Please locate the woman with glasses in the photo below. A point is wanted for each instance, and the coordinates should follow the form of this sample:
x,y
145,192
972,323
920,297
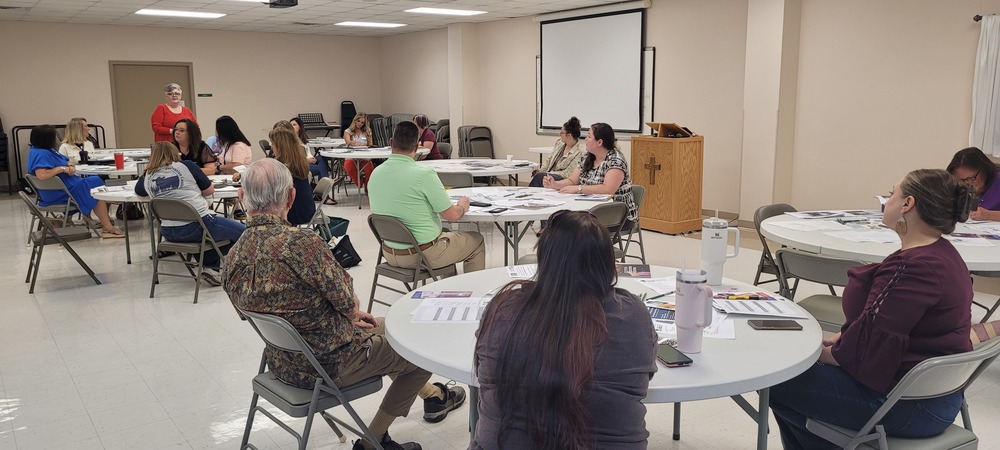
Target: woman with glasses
x,y
972,167
359,134
564,360
75,140
566,154
187,138
167,114
603,171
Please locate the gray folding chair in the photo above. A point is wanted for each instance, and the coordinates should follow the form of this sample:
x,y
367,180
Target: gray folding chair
x,y
612,215
320,222
47,234
827,309
767,263
172,209
634,234
297,402
266,147
456,180
445,149
934,377
67,210
989,309
388,228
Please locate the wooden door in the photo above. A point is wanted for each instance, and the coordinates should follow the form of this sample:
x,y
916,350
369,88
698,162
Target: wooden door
x,y
136,90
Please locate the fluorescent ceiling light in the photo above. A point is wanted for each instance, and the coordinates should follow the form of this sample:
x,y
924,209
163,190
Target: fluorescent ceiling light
x,y
371,24
189,14
446,12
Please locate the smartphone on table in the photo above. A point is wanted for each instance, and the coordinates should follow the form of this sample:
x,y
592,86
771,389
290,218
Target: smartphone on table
x,y
671,357
774,325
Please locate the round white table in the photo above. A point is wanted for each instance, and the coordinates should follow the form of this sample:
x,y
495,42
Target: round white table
x,y
509,222
978,258
99,169
754,361
108,154
126,194
542,151
326,143
367,153
482,167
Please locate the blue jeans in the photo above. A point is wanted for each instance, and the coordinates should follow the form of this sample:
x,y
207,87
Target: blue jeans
x,y
221,229
320,169
830,394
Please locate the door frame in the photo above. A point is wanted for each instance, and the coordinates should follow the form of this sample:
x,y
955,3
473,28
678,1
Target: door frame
x,y
114,101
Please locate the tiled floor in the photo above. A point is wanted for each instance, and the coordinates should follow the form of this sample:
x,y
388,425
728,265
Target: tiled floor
x,y
105,367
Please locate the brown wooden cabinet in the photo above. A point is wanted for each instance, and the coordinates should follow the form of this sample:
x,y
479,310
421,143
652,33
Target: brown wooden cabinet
x,y
671,171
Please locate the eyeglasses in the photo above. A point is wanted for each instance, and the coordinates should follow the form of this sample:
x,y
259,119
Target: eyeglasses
x,y
174,94
969,179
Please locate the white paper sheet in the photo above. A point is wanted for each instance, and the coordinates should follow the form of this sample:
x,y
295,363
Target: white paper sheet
x,y
522,270
453,310
811,225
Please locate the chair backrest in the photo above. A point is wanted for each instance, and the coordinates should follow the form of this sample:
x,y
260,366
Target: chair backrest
x,y
266,146
612,215
766,212
938,376
807,266
323,188
48,184
278,333
388,228
638,194
445,149
457,179
443,133
173,209
33,209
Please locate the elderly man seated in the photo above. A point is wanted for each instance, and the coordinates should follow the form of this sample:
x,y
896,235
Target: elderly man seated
x,y
279,269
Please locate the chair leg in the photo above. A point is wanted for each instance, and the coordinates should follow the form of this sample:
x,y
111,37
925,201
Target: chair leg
x,y
677,421
197,276
642,246
82,264
34,275
31,263
989,311
156,270
332,424
371,297
250,415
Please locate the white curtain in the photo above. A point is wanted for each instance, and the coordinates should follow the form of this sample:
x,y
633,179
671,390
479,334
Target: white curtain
x,y
985,130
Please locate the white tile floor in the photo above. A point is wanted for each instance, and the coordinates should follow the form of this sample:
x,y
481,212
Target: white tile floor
x,y
106,367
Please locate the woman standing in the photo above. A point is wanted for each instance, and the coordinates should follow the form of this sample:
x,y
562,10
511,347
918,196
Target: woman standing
x,y
564,360
603,171
912,306
45,162
75,140
288,150
168,177
566,154
972,167
187,138
359,134
427,139
167,114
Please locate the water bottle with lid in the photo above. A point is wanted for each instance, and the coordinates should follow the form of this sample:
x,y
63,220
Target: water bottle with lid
x,y
714,240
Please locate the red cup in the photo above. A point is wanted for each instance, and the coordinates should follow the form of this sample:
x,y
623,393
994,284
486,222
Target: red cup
x,y
119,161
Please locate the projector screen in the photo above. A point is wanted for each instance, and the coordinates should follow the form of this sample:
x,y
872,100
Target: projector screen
x,y
591,68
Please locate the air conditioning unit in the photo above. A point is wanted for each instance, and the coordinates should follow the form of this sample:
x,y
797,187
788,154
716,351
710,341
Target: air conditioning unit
x,y
283,3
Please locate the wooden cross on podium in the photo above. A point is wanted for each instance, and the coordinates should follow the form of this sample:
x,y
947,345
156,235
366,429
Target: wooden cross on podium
x,y
653,166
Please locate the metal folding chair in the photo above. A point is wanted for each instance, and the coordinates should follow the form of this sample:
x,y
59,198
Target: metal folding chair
x,y
47,234
767,263
172,209
388,228
800,265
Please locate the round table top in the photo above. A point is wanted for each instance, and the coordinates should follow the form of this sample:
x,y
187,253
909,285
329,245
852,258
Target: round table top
x,y
542,150
108,154
99,169
525,203
756,359
126,193
326,142
364,153
982,257
481,167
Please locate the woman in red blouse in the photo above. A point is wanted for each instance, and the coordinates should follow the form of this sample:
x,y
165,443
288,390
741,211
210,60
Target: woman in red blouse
x,y
169,113
915,304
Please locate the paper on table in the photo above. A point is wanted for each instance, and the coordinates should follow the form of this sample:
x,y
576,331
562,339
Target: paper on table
x,y
721,327
665,286
811,225
776,308
815,214
878,236
984,227
522,270
969,242
454,310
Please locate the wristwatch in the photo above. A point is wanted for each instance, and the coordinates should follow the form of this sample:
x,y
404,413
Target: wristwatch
x,y
579,189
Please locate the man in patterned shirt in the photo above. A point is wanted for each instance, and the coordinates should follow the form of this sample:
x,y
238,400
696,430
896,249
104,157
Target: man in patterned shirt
x,y
279,269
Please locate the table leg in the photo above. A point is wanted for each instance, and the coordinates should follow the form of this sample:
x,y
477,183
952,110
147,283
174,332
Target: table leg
x,y
473,409
762,408
152,235
128,246
677,421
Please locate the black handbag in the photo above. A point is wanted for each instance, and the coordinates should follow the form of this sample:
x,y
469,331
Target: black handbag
x,y
345,254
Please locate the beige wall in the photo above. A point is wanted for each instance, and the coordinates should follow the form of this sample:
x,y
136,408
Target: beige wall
x,y
258,78
884,88
414,75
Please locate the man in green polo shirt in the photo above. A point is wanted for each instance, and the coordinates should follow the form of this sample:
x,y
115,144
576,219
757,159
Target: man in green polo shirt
x,y
401,188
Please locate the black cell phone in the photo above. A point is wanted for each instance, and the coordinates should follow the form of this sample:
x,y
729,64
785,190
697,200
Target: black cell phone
x,y
480,204
774,325
497,210
671,357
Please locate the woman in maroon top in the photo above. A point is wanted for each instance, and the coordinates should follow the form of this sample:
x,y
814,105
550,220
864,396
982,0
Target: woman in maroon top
x,y
914,305
427,138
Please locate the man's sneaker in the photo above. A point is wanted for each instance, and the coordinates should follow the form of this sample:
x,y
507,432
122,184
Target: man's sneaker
x,y
389,444
435,409
210,276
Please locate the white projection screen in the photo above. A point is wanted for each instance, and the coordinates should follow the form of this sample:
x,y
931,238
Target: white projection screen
x,y
591,68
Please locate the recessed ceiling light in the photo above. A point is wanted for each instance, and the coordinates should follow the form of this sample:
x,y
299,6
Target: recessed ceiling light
x,y
446,12
371,24
189,14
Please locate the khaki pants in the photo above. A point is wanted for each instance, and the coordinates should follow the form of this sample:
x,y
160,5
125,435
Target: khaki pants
x,y
378,358
450,248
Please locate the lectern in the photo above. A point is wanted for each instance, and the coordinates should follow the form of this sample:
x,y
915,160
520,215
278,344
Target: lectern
x,y
671,170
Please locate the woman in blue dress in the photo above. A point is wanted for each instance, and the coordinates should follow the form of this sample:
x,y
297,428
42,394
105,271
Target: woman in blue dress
x,y
45,162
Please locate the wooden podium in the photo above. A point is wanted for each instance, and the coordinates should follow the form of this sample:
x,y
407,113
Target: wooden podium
x,y
671,171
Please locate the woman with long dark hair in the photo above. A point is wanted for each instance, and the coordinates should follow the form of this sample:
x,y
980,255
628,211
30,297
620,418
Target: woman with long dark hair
x,y
317,163
564,360
603,171
288,150
235,146
973,168
187,139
